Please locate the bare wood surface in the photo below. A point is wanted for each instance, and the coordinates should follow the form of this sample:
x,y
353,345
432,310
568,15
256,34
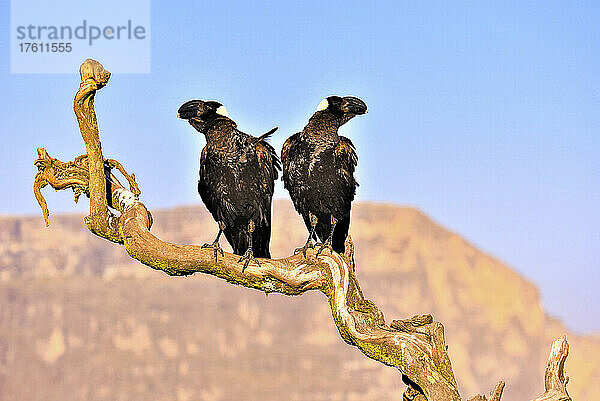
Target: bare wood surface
x,y
415,346
555,381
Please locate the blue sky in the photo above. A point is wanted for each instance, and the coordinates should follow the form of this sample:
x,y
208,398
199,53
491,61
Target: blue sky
x,y
485,115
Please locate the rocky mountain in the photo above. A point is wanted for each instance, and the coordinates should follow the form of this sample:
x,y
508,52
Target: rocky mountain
x,y
79,320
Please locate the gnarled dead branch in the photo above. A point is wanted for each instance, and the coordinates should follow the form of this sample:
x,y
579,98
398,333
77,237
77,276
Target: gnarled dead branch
x,y
555,381
414,346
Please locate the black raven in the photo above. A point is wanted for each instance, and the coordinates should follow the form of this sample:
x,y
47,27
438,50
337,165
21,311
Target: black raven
x,y
318,172
237,178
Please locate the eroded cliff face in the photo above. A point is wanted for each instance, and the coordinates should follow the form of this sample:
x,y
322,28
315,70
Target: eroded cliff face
x,y
80,321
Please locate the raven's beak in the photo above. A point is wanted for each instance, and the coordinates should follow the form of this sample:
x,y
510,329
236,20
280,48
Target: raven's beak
x,y
354,105
190,109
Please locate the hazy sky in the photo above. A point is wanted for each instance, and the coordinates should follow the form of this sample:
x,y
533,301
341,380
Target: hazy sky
x,y
485,115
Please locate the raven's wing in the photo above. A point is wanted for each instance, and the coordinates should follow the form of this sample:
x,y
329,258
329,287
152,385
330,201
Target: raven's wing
x,y
268,161
288,155
267,157
210,189
269,166
347,159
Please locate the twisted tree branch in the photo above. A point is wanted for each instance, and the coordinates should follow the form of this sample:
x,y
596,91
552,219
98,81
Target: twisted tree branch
x,y
414,346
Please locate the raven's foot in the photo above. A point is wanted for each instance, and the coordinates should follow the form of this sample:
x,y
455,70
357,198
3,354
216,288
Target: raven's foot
x,y
215,244
311,232
216,247
248,256
326,245
306,247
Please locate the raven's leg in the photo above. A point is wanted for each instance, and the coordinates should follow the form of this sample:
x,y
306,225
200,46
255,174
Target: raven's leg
x,y
249,256
311,234
215,244
327,244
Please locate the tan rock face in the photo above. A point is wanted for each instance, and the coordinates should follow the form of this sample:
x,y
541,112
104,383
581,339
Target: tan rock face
x,y
52,348
77,313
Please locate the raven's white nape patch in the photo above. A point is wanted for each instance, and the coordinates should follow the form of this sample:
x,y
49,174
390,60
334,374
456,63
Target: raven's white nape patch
x,y
323,105
222,111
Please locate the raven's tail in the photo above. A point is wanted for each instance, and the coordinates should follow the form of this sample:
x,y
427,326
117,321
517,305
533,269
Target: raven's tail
x,y
260,242
339,235
267,135
323,229
238,239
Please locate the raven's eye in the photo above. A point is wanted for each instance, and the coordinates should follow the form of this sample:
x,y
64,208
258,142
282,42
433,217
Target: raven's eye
x,y
222,111
323,105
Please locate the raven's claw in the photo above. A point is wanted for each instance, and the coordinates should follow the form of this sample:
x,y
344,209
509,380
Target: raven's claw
x,y
306,247
248,256
216,247
326,245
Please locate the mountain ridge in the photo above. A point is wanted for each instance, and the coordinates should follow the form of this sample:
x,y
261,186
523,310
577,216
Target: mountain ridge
x,y
407,263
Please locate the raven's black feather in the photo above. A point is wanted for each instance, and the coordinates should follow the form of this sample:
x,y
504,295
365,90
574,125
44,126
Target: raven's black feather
x,y
237,175
318,169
